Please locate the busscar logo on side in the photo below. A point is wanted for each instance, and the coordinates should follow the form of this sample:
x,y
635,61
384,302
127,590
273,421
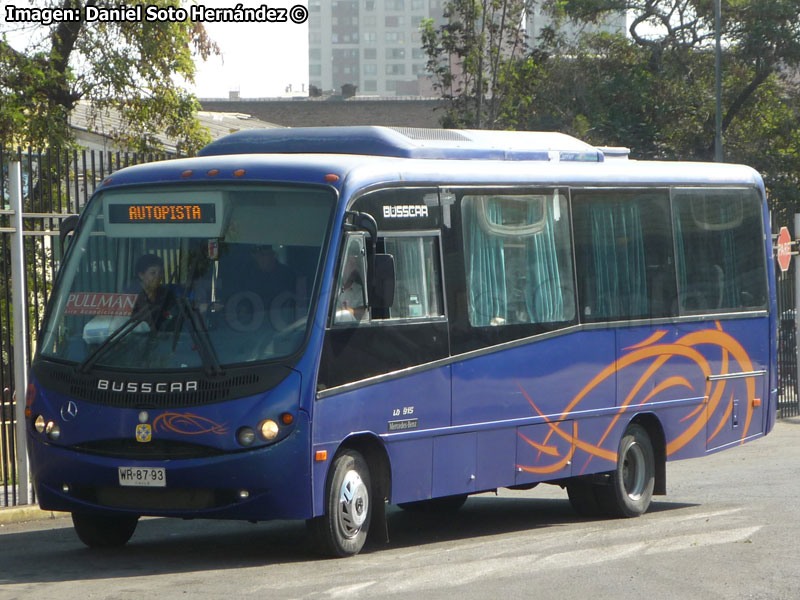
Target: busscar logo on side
x,y
405,211
146,387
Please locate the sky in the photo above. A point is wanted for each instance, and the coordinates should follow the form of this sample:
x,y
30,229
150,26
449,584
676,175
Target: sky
x,y
259,60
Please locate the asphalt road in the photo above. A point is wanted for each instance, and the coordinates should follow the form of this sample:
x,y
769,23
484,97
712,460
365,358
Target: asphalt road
x,y
729,529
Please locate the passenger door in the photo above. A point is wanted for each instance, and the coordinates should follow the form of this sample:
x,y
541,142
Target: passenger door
x,y
377,372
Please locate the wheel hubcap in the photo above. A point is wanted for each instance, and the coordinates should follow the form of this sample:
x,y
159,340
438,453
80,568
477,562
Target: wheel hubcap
x,y
353,504
633,468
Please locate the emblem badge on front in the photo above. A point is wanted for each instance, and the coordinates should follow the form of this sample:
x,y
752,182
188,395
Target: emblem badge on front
x,y
144,433
69,411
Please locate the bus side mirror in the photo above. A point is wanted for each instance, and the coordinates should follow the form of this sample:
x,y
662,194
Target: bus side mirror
x,y
66,227
383,280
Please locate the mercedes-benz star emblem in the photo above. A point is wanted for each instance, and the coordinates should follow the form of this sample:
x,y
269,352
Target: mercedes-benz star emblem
x,y
69,411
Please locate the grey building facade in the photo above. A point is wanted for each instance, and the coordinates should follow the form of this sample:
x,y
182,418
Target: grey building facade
x,y
374,45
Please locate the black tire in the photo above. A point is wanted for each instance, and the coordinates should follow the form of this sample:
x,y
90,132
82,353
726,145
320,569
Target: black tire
x,y
631,486
103,531
436,505
342,530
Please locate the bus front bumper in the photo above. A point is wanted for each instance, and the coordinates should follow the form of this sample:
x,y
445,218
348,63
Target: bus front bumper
x,y
273,482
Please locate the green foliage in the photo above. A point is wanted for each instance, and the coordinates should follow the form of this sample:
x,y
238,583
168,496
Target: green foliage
x,y
653,90
662,102
468,56
128,66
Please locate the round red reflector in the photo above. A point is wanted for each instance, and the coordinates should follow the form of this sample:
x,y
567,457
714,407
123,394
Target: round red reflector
x,y
213,172
187,173
331,177
287,418
239,172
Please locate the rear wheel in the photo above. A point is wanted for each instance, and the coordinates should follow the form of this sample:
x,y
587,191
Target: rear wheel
x,y
632,482
103,531
342,530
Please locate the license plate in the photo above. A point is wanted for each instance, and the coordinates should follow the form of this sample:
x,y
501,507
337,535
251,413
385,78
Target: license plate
x,y
143,476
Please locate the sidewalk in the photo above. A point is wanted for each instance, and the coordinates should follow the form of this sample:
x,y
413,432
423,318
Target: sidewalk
x,y
20,514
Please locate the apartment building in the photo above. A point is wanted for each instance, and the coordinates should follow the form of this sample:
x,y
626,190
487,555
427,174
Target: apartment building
x,y
374,45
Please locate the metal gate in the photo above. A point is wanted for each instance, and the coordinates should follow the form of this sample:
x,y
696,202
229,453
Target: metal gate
x,y
54,184
788,400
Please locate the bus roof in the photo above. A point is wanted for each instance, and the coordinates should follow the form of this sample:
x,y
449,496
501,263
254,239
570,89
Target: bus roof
x,y
408,142
358,157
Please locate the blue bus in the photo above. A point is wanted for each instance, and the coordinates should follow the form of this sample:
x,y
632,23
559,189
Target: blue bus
x,y
313,323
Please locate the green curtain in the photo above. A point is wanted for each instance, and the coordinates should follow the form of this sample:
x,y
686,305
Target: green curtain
x,y
730,290
618,260
486,271
410,273
544,297
712,246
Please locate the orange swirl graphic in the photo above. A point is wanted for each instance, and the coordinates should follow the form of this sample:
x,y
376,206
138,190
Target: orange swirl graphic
x,y
188,424
696,421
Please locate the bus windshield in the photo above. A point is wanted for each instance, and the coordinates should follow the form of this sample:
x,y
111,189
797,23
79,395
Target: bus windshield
x,y
166,278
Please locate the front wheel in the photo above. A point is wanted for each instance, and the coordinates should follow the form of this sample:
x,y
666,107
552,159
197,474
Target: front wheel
x,y
632,482
102,531
342,530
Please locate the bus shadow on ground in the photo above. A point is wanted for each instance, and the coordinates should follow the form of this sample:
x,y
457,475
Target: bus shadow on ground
x,y
171,546
485,516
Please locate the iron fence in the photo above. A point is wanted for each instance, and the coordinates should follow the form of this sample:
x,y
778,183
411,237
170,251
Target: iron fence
x,y
55,184
788,399
59,183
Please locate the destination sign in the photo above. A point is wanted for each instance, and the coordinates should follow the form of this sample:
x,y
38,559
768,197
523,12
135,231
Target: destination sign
x,y
162,213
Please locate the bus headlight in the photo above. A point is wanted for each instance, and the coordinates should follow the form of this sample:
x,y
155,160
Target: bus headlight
x,y
53,430
38,424
246,436
268,429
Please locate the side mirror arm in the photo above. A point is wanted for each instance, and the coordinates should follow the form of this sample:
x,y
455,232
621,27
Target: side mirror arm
x,y
377,298
67,226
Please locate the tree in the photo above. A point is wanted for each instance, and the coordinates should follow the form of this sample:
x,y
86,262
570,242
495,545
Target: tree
x,y
762,42
653,90
132,66
468,56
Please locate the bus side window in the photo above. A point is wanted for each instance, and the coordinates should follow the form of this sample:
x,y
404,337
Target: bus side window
x,y
351,299
517,259
624,255
418,278
719,245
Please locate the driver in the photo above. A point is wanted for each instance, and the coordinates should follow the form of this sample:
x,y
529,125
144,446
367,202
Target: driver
x,y
154,295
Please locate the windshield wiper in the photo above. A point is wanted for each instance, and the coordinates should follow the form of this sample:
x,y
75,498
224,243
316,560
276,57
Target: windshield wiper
x,y
198,332
113,339
200,337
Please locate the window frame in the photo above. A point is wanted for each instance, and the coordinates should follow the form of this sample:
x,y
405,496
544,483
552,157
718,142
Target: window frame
x,y
342,258
369,320
666,189
421,233
700,313
479,194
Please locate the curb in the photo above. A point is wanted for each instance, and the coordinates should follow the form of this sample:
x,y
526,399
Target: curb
x,y
21,514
